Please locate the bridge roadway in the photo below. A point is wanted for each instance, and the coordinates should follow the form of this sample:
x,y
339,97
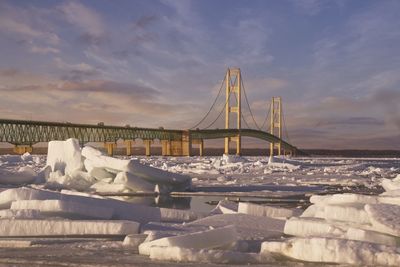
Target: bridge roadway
x,y
24,134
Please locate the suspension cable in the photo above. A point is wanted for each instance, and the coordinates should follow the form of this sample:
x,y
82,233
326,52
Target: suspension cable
x,y
284,124
212,106
226,103
222,110
247,125
247,101
266,119
244,119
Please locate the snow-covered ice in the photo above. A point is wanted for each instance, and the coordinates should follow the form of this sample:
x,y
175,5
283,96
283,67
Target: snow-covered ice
x,y
331,250
214,238
64,156
64,209
268,211
41,227
349,219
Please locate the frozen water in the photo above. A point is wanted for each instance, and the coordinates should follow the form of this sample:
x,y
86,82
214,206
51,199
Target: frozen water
x,y
225,207
364,222
37,227
203,255
213,238
385,218
23,175
121,210
329,250
64,156
65,209
249,227
274,212
133,182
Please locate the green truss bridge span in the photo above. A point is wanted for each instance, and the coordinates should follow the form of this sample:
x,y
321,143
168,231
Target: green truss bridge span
x,y
23,134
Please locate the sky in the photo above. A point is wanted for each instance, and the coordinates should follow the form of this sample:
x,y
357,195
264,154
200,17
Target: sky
x,y
154,63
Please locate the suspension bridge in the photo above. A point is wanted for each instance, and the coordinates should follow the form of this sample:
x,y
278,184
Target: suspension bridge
x,y
24,134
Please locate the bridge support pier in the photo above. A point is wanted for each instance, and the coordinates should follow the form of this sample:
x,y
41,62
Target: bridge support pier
x,y
109,146
129,144
22,149
165,147
237,140
147,144
186,143
199,142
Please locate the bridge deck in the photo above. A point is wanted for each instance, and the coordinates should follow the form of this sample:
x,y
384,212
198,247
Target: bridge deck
x,y
20,132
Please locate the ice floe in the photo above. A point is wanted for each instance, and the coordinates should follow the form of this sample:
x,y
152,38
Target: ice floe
x,y
331,250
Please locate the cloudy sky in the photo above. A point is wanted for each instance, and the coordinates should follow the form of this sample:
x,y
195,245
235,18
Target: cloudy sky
x,y
335,63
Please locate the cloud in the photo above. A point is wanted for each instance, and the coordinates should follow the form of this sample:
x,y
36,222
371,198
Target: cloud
x,y
144,21
14,77
28,24
89,102
87,20
9,72
309,7
351,121
75,72
44,50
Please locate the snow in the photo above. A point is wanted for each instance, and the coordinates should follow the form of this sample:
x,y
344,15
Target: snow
x,y
389,185
78,180
134,240
249,227
330,250
100,173
20,214
385,218
353,226
225,207
133,182
23,175
175,215
353,212
259,210
205,256
213,238
121,210
38,227
64,209
64,156
133,174
344,199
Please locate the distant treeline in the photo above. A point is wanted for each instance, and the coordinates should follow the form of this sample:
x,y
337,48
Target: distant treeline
x,y
353,153
246,152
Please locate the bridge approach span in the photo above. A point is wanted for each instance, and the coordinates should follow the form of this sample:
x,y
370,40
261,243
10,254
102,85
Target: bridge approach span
x,y
23,134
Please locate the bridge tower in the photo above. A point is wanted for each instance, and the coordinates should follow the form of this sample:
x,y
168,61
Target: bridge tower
x,y
276,123
233,86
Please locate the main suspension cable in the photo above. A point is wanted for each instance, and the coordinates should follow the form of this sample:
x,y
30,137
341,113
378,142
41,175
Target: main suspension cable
x,y
284,125
247,101
266,119
212,106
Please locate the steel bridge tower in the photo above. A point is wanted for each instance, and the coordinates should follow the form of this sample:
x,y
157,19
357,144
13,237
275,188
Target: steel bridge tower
x,y
233,81
276,124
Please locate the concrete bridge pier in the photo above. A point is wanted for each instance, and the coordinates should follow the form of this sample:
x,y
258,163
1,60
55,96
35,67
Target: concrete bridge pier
x,y
109,146
22,149
186,143
237,140
165,147
199,142
147,145
129,144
